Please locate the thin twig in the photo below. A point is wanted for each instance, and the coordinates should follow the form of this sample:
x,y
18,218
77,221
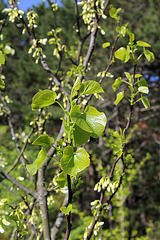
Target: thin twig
x,y
69,224
107,68
43,62
8,112
15,182
21,152
95,219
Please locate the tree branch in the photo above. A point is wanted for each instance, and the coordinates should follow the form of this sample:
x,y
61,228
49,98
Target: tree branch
x,y
21,152
43,62
42,198
12,128
56,227
15,182
69,224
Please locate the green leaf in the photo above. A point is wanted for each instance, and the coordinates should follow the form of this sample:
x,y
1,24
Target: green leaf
x,y
44,140
142,44
72,163
137,75
90,120
149,55
75,89
77,84
128,76
60,143
2,58
62,180
145,102
90,87
113,12
142,83
131,37
66,210
143,89
119,97
116,84
8,50
14,217
32,168
106,44
22,233
80,136
2,84
123,31
43,99
123,54
143,86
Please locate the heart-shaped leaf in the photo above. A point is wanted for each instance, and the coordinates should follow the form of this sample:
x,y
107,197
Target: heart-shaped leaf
x,y
142,83
90,87
43,99
72,163
32,168
90,120
44,140
62,180
80,136
66,210
123,54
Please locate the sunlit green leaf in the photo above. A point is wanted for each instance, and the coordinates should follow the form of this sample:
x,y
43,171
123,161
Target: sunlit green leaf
x,y
44,140
123,54
77,84
149,55
8,50
90,120
106,44
72,163
123,31
138,76
113,12
32,168
116,84
5,222
2,58
145,102
131,37
61,180
43,99
119,97
90,87
2,84
142,44
143,89
66,210
128,76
